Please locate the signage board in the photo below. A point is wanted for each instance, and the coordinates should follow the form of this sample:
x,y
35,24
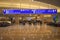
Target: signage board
x,y
30,11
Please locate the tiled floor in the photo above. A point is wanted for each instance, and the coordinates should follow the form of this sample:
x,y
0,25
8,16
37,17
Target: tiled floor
x,y
29,32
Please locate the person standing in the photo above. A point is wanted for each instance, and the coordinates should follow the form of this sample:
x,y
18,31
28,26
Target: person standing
x,y
55,19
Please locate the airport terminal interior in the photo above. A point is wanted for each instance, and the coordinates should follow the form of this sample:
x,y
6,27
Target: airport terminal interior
x,y
29,26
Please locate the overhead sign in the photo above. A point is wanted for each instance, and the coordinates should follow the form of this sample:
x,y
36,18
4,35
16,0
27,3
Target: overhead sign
x,y
30,11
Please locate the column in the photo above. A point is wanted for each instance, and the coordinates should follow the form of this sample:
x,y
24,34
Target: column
x,y
16,20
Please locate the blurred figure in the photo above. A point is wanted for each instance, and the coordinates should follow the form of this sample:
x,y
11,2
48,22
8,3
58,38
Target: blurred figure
x,y
12,20
55,19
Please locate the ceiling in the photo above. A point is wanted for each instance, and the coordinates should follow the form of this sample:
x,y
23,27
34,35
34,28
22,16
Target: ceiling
x,y
53,2
25,3
28,4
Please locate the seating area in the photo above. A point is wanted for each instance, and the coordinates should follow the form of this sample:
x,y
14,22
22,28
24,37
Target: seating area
x,y
4,24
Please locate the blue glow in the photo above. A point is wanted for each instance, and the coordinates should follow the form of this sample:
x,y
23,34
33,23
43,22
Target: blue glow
x,y
30,11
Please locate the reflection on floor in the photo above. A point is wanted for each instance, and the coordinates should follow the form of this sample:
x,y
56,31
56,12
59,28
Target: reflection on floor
x,y
29,32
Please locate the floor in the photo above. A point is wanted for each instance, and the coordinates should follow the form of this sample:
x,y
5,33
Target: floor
x,y
29,32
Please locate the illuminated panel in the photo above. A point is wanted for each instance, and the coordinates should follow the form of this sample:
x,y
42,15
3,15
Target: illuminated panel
x,y
30,11
46,11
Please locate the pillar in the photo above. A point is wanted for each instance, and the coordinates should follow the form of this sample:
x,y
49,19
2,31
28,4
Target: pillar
x,y
16,20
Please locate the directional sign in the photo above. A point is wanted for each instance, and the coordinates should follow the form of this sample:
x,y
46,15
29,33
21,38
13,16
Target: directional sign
x,y
30,11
